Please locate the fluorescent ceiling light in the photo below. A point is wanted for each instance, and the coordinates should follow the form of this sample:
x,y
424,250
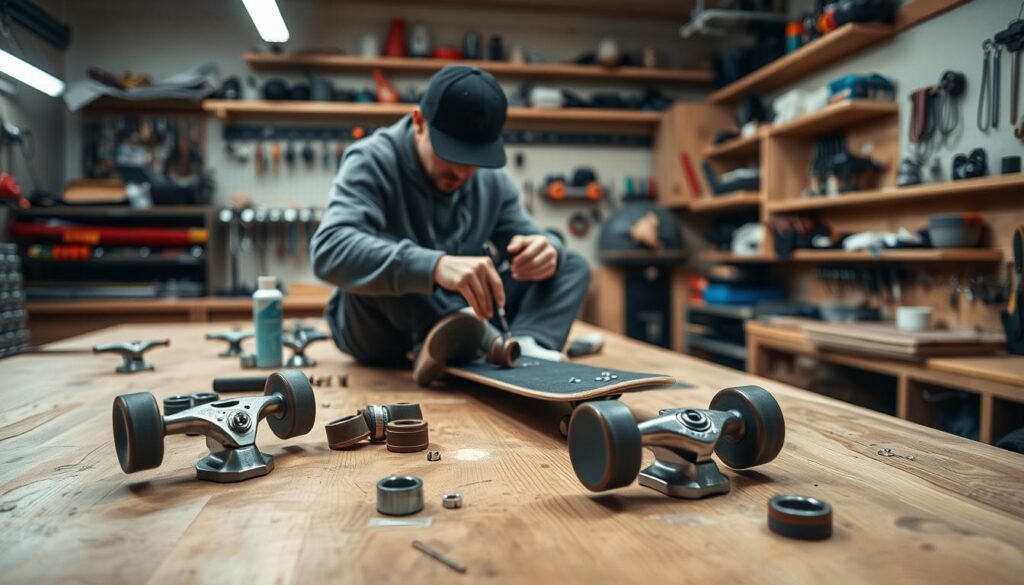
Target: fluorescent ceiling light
x,y
30,74
268,20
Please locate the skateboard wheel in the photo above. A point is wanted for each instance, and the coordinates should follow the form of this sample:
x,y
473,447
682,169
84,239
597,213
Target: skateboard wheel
x,y
764,427
604,445
299,412
138,432
800,517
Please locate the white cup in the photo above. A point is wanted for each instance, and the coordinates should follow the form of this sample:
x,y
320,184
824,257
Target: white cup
x,y
913,318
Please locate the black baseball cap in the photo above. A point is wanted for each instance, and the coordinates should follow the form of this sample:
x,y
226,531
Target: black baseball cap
x,y
465,110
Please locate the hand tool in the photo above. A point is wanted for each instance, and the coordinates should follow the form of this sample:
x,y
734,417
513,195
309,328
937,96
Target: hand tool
x,y
275,157
438,555
1012,38
491,251
985,98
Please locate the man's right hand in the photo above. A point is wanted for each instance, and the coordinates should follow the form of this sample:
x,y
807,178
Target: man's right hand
x,y
475,278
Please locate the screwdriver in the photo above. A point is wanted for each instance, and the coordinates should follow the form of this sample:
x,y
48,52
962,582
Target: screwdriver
x,y
492,252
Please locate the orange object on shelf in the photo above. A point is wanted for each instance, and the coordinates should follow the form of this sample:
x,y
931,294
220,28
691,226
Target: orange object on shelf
x,y
594,191
556,190
386,93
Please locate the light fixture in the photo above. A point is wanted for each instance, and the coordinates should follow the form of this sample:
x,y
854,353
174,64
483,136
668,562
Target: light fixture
x,y
29,74
268,20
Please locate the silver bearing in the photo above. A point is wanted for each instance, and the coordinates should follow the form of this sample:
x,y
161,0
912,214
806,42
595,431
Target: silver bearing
x,y
399,495
451,501
377,417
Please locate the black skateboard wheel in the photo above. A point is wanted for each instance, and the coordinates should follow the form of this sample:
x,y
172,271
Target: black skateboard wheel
x,y
604,445
299,412
138,432
764,427
800,517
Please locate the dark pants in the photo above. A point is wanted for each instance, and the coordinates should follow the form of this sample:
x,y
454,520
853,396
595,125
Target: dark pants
x,y
382,330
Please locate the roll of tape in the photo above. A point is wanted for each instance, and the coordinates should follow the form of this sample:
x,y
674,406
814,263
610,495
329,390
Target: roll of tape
x,y
399,495
407,436
346,431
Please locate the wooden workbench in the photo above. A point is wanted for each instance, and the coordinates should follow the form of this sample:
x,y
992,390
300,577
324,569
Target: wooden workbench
x,y
953,514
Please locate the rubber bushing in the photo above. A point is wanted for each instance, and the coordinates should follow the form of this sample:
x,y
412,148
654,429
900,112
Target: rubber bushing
x,y
347,431
407,436
399,495
178,403
800,517
404,410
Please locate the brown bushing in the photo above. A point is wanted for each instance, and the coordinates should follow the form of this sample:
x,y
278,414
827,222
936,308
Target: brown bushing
x,y
504,351
407,436
347,431
404,410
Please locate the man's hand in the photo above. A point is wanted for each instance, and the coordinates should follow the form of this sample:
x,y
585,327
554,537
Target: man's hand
x,y
535,257
475,278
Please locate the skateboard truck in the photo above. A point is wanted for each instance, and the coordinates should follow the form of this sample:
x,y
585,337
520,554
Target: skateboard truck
x,y
132,354
234,339
298,343
287,403
744,426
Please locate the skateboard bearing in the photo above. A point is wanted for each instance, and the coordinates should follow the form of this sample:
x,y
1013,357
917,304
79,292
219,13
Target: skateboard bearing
x,y
399,495
407,436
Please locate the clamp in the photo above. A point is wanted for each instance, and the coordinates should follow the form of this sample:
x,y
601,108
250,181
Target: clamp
x,y
132,353
744,426
234,338
287,403
298,343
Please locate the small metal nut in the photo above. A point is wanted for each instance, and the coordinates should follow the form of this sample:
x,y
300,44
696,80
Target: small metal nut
x,y
451,501
433,455
240,421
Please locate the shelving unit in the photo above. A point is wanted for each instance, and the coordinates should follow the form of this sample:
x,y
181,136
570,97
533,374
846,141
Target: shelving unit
x,y
911,255
233,110
974,193
720,257
738,201
745,146
411,65
835,117
811,58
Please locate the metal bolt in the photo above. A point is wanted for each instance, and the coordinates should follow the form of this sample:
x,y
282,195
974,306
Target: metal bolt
x,y
451,501
240,421
886,452
911,458
433,455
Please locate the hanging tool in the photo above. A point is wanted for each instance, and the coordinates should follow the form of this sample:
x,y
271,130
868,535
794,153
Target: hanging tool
x,y
325,155
985,93
290,218
997,51
1012,39
259,161
308,156
275,157
289,155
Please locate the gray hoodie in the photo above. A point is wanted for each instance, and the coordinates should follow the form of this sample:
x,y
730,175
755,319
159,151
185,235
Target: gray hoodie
x,y
386,225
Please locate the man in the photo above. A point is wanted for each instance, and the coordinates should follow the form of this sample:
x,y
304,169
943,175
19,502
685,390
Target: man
x,y
410,214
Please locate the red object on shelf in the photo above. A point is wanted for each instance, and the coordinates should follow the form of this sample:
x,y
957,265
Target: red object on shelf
x,y
95,236
386,93
394,44
10,191
447,53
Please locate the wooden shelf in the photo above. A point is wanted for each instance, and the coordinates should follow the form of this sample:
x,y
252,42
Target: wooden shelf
x,y
741,200
650,256
813,57
909,255
229,110
719,257
114,105
412,65
747,146
835,117
967,190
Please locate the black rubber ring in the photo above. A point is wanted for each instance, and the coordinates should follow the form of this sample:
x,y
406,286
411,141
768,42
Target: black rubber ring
x,y
800,517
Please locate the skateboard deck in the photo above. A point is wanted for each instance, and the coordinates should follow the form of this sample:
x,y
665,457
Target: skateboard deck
x,y
553,381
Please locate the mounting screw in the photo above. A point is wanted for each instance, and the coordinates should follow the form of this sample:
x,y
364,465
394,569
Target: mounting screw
x,y
240,421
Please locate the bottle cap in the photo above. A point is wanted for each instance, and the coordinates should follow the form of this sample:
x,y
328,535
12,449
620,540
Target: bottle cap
x,y
268,282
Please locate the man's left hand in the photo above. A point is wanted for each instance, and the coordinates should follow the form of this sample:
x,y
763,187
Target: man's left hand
x,y
534,258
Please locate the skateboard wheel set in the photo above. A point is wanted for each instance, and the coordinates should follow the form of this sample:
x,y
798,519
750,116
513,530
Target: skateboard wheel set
x,y
230,426
744,426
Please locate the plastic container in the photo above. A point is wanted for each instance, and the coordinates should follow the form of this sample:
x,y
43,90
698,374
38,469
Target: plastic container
x,y
268,321
957,230
913,318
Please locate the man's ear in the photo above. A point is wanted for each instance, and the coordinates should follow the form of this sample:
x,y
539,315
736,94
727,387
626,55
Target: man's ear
x,y
419,123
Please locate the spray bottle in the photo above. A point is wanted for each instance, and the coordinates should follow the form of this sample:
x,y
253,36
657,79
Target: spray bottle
x,y
268,320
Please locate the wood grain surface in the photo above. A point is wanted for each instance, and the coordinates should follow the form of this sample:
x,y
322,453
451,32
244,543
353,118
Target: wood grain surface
x,y
953,514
